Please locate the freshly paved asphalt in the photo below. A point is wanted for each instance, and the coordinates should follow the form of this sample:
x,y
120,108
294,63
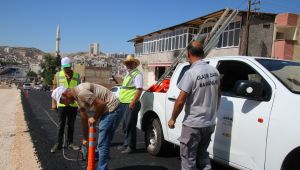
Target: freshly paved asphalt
x,y
42,123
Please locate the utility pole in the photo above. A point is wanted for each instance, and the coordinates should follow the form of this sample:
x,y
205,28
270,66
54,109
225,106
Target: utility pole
x,y
245,43
247,28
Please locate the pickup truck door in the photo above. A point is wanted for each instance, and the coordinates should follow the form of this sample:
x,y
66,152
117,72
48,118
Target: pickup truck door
x,y
242,124
172,95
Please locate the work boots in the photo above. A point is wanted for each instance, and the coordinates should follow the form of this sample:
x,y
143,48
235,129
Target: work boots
x,y
73,147
56,147
128,150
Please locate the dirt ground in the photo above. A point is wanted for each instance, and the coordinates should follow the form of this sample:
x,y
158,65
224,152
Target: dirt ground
x,y
17,150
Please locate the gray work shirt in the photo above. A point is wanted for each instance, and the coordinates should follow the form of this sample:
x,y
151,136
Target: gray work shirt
x,y
201,82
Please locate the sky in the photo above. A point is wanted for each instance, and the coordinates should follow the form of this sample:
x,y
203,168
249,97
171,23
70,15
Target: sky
x,y
111,23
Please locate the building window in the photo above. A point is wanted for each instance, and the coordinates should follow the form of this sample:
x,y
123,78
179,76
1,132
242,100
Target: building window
x,y
169,41
231,36
178,39
138,49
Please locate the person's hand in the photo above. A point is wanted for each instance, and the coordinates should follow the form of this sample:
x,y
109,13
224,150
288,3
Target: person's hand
x,y
171,124
53,104
54,107
91,121
132,105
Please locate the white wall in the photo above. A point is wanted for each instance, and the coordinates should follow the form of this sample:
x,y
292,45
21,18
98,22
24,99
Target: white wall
x,y
223,52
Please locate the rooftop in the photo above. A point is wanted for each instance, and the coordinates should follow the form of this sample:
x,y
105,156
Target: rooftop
x,y
194,23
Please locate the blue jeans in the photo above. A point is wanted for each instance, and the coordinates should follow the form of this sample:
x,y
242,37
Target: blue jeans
x,y
107,126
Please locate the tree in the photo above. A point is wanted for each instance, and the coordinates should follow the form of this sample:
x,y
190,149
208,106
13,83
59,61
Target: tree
x,y
50,66
31,74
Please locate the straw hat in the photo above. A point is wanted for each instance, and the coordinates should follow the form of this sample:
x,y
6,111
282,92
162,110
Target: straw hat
x,y
130,58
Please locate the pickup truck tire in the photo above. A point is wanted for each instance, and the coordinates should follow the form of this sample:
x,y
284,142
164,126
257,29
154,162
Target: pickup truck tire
x,y
292,160
154,138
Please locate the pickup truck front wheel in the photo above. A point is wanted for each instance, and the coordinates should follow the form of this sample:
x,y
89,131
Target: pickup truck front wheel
x,y
154,138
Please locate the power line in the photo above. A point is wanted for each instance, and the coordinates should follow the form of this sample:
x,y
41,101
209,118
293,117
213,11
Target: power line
x,y
256,5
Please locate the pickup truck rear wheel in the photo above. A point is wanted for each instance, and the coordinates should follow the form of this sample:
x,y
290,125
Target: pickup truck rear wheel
x,y
154,138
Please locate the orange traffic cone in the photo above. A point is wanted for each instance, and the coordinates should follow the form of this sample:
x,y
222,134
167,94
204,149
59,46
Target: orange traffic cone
x,y
26,93
92,148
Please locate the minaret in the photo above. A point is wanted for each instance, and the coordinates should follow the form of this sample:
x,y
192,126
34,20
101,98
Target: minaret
x,y
57,41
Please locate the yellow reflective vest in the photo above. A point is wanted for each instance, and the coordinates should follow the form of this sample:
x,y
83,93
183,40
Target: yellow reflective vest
x,y
128,91
62,81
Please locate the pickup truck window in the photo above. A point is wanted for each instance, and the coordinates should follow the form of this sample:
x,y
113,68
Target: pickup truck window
x,y
184,69
233,71
287,72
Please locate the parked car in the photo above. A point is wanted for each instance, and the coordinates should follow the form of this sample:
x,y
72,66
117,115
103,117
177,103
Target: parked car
x,y
258,120
26,86
116,90
38,87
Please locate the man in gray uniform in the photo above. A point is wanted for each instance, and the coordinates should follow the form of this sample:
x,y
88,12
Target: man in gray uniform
x,y
200,92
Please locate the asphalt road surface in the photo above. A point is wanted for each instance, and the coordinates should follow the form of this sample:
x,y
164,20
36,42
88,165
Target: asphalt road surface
x,y
42,123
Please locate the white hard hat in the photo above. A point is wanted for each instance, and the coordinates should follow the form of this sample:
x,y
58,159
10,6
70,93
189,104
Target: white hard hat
x,y
65,62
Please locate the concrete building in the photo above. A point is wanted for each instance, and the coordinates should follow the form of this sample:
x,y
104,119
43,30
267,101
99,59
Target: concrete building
x,y
95,75
94,49
14,73
23,52
35,67
7,50
158,49
287,37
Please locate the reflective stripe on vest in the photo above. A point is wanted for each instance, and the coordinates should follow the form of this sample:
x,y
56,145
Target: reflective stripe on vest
x,y
127,91
62,81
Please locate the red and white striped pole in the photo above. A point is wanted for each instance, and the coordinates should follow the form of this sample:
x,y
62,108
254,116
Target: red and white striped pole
x,y
92,148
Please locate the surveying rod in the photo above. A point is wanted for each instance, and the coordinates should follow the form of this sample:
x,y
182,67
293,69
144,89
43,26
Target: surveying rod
x,y
92,147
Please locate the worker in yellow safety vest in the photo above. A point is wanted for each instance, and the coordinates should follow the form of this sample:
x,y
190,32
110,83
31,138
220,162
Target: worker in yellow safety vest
x,y
69,79
129,96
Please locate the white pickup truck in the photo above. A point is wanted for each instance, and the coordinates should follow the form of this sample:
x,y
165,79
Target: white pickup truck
x,y
258,123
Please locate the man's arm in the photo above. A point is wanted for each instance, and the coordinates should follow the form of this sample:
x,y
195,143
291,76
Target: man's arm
x,y
219,98
54,103
82,79
136,98
100,109
138,83
84,125
179,103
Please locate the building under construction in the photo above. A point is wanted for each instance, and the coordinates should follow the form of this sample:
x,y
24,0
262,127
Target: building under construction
x,y
97,75
157,50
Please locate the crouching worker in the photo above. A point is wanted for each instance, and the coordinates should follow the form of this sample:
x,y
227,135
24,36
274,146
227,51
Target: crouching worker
x,y
107,108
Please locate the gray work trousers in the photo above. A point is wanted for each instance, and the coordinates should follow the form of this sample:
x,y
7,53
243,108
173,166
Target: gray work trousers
x,y
193,147
129,124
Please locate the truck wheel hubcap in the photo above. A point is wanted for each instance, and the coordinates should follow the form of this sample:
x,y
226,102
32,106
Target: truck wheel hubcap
x,y
153,137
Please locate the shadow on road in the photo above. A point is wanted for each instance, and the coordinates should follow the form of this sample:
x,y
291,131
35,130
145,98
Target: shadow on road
x,y
143,167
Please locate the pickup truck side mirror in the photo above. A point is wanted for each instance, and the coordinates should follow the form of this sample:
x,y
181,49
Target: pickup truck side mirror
x,y
249,89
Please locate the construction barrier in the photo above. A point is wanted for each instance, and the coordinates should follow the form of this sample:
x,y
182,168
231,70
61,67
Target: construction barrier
x,y
92,148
